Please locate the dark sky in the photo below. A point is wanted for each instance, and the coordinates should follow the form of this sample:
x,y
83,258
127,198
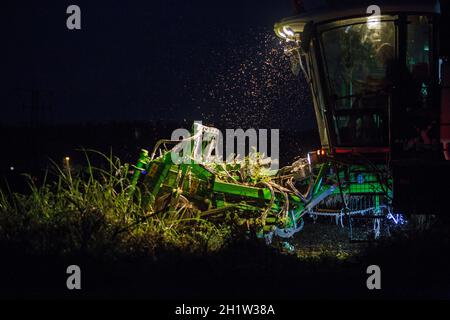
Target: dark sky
x,y
216,61
149,60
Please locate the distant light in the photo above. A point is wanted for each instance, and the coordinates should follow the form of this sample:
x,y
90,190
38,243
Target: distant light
x,y
67,159
11,168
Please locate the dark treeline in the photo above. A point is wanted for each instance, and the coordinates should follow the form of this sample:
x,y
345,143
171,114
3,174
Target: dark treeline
x,y
29,150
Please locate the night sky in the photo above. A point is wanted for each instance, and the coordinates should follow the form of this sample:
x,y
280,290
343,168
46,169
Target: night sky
x,y
216,61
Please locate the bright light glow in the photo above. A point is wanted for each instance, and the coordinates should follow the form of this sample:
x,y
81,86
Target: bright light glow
x,y
67,159
288,31
360,178
374,22
396,218
11,168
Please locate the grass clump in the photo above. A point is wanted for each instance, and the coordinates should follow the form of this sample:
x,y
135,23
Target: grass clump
x,y
89,211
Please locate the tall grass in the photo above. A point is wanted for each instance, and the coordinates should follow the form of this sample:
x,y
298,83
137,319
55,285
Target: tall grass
x,y
90,211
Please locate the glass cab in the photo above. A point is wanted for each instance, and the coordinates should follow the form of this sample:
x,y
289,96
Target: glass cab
x,y
373,80
367,79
